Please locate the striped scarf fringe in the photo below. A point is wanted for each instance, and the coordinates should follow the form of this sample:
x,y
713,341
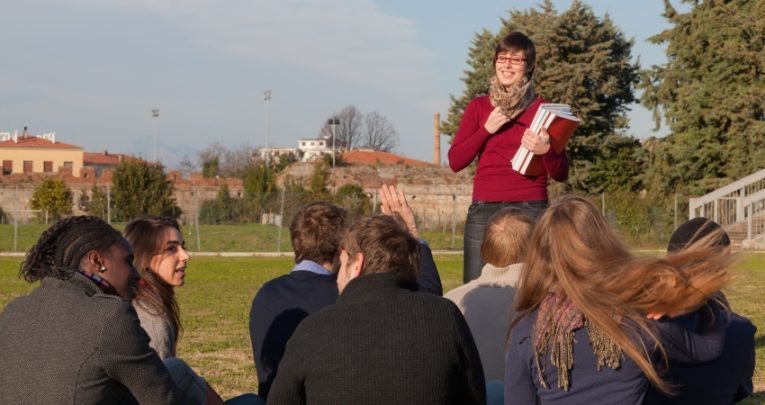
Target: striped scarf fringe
x,y
557,320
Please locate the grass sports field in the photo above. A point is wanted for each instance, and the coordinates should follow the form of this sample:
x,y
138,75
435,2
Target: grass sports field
x,y
215,305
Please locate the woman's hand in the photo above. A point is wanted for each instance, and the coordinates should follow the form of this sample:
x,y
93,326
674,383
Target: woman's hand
x,y
537,144
495,121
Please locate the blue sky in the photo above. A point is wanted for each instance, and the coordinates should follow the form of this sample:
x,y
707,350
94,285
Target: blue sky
x,y
92,70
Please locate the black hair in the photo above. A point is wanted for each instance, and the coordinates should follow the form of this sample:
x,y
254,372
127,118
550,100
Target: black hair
x,y
694,230
61,247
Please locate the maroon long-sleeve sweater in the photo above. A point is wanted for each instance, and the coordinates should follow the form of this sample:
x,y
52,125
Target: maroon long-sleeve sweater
x,y
494,179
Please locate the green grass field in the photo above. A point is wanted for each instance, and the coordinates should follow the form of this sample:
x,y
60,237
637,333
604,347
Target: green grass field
x,y
215,305
213,238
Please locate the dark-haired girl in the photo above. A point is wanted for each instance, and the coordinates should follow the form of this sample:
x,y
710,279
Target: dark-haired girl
x,y
76,338
492,129
161,259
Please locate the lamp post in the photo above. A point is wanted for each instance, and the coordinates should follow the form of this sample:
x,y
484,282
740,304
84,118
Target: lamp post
x,y
267,97
155,114
333,122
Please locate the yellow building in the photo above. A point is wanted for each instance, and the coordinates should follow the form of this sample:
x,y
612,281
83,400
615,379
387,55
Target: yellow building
x,y
38,154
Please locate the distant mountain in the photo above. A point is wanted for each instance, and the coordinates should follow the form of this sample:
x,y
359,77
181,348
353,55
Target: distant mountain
x,y
170,155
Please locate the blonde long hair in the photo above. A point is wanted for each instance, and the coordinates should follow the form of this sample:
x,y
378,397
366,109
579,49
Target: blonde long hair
x,y
573,248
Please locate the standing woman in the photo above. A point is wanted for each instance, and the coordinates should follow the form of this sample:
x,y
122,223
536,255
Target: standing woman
x,y
492,129
76,339
161,259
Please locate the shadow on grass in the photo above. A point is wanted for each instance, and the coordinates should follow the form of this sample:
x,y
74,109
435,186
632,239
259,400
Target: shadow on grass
x,y
757,398
759,341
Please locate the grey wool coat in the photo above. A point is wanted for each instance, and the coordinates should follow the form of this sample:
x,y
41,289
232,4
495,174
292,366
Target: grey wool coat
x,y
68,343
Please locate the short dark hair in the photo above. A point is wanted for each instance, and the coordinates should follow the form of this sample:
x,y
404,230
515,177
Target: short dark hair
x,y
61,248
506,237
695,230
514,42
387,245
316,231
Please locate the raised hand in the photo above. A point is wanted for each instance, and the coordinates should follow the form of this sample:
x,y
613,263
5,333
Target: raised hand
x,y
495,121
393,201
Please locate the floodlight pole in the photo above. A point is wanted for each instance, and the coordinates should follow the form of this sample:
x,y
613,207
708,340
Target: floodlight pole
x,y
267,98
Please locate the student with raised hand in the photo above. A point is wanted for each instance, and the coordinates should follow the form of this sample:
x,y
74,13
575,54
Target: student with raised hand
x,y
393,202
581,334
282,303
383,342
76,338
727,379
487,302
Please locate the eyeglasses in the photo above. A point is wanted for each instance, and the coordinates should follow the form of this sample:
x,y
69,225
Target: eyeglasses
x,y
514,60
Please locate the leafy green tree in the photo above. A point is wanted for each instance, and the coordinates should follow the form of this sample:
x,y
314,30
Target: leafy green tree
x,y
211,168
317,185
582,60
711,94
95,203
353,198
141,188
258,184
54,197
223,209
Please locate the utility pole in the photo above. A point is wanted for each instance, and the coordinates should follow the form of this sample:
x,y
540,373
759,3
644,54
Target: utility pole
x,y
267,98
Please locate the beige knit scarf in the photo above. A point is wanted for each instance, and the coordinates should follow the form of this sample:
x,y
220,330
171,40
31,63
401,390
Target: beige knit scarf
x,y
553,331
513,99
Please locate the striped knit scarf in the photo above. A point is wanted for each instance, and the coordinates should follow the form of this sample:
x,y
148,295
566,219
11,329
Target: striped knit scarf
x,y
554,329
513,99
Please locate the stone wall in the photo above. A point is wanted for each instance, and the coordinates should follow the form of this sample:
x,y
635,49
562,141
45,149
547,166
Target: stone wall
x,y
438,196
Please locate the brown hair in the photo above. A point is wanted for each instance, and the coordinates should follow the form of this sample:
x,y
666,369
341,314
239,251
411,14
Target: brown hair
x,y
387,246
514,42
506,237
316,231
573,248
146,235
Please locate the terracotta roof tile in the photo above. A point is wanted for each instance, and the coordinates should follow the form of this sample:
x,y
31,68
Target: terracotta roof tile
x,y
34,142
372,157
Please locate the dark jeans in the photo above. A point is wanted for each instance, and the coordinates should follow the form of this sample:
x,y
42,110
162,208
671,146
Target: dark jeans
x,y
478,216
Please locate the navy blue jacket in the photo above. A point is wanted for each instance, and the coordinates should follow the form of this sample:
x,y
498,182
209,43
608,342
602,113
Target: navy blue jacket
x,y
625,385
283,302
723,381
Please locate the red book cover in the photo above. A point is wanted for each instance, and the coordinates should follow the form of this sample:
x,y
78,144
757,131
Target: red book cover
x,y
561,128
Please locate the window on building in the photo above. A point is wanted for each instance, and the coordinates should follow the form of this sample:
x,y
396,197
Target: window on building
x,y
48,166
27,166
312,143
7,167
68,165
302,143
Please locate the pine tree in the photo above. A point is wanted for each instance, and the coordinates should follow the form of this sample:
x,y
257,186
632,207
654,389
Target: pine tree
x,y
710,93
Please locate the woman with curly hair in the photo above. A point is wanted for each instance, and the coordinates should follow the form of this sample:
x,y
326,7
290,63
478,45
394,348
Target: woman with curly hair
x,y
76,338
582,333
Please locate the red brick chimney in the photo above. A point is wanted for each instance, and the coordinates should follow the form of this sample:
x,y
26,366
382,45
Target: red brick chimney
x,y
436,139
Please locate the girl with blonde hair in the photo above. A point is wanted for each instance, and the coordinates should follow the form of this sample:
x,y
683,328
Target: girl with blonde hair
x,y
582,332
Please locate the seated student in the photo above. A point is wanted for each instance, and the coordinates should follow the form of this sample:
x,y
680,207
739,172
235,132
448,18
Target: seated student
x,y
161,259
382,342
487,302
76,338
282,303
581,335
727,379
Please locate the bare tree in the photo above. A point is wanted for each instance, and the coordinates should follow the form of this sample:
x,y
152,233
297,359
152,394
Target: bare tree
x,y
348,130
379,133
217,160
